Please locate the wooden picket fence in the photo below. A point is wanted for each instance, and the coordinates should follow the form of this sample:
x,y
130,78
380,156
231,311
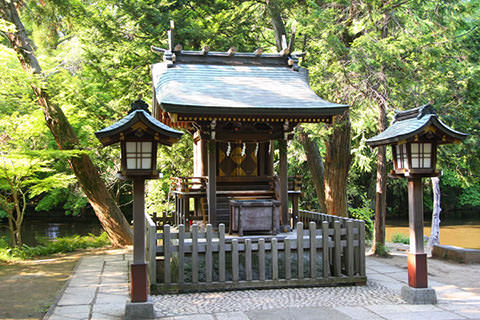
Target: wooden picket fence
x,y
181,261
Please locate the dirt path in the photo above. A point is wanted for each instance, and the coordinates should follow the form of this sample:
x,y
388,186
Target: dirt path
x,y
28,288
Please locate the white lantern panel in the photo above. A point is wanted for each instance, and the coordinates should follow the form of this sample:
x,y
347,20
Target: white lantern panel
x,y
146,163
139,155
427,148
402,161
427,163
146,147
414,148
131,147
131,163
415,163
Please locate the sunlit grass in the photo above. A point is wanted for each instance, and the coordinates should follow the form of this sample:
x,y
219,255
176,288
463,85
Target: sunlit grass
x,y
48,247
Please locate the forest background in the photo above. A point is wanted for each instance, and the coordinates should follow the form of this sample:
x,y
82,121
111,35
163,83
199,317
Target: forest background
x,y
96,60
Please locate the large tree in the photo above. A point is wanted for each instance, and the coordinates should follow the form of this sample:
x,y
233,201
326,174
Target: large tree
x,y
330,180
105,207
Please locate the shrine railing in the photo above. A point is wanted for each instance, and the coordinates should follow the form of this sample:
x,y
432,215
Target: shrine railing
x,y
327,253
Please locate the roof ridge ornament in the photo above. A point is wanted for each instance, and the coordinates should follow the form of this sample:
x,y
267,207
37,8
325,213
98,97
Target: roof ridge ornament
x,y
139,104
426,109
418,113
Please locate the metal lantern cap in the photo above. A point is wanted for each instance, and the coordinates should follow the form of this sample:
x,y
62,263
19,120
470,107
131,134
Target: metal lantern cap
x,y
138,134
414,135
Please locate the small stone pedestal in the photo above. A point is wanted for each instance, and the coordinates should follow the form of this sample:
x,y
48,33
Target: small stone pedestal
x,y
419,295
139,310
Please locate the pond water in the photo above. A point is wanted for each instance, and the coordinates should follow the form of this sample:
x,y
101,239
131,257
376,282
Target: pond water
x,y
457,232
34,230
461,233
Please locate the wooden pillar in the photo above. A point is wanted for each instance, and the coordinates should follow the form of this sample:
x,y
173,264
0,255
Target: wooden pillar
x,y
269,160
261,162
138,269
203,157
212,182
282,146
417,259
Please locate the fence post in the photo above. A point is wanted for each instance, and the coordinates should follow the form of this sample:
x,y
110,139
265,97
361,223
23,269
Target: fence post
x,y
274,259
361,248
181,253
288,266
313,249
337,257
356,249
349,251
221,252
151,249
235,260
261,259
195,253
248,259
299,250
208,255
166,253
325,258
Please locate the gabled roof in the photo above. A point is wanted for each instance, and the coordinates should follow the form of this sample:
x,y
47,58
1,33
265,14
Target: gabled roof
x,y
242,84
407,124
111,134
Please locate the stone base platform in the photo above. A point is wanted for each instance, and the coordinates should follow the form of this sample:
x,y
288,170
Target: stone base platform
x,y
419,295
139,310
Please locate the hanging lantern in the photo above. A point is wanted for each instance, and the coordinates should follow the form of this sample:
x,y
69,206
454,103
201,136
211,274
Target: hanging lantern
x,y
414,136
139,134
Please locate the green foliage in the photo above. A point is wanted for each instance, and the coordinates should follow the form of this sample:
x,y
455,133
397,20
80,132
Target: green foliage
x,y
400,238
60,245
366,214
381,250
97,57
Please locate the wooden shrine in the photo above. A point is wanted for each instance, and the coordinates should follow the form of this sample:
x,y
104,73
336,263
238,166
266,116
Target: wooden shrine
x,y
240,108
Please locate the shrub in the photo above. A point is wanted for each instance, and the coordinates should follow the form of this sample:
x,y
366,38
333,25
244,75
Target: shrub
x,y
48,247
400,238
365,214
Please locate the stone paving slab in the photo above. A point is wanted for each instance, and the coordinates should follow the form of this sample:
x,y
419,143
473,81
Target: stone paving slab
x,y
297,313
358,312
99,288
86,296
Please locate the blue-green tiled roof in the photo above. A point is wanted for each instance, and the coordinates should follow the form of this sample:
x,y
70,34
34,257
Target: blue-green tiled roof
x,y
412,122
133,117
237,89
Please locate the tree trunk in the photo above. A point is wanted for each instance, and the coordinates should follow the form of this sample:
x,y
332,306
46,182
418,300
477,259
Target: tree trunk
x,y
435,232
338,158
107,211
315,164
277,23
337,164
378,246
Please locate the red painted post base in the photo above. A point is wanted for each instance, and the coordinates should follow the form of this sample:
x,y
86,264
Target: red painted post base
x,y
138,282
417,270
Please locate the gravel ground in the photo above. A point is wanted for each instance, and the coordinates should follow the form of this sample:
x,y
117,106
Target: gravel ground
x,y
246,300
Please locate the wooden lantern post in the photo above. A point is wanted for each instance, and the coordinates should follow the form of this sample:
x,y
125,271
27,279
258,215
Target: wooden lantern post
x,y
414,136
139,134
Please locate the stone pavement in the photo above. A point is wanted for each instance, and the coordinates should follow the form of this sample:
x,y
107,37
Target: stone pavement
x,y
98,289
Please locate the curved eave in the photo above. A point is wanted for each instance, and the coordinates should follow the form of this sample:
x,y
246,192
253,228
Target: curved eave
x,y
331,110
111,134
392,137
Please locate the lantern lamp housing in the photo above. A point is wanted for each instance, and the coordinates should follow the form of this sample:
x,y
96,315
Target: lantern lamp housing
x,y
414,158
414,136
139,134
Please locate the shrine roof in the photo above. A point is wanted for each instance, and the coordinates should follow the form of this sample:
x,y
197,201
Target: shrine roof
x,y
407,124
215,83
